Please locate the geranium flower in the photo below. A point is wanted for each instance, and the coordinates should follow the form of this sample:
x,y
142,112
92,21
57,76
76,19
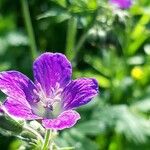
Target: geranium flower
x,y
122,4
52,97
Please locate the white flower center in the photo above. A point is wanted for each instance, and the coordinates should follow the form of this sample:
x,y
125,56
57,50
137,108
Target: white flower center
x,y
48,106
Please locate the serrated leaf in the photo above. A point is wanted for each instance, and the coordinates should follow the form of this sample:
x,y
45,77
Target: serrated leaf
x,y
77,140
92,127
125,122
142,105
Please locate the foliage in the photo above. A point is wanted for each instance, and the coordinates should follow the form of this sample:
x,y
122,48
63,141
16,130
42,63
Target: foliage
x,y
104,42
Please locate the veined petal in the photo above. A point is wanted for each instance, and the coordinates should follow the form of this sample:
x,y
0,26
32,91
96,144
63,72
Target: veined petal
x,y
51,70
66,119
16,85
19,109
79,92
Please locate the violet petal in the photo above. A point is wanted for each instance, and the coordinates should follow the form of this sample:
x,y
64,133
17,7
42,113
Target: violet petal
x,y
16,85
123,4
19,109
50,69
66,119
79,92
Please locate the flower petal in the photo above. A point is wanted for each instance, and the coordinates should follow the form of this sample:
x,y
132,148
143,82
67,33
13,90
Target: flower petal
x,y
67,119
52,68
79,92
16,85
19,109
122,4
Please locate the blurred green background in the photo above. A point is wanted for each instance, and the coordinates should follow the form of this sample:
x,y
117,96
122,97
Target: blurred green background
x,y
103,42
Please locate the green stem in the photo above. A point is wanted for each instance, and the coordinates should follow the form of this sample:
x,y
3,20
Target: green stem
x,y
47,140
27,18
71,37
81,41
84,35
34,132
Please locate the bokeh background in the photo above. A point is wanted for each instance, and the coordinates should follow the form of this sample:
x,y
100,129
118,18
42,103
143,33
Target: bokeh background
x,y
102,41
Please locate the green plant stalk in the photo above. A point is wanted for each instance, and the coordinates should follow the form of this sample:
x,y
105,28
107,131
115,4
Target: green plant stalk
x,y
84,35
34,132
89,26
81,40
71,37
47,139
27,18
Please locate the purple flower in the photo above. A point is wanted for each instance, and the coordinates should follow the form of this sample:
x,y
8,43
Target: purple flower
x,y
52,97
122,4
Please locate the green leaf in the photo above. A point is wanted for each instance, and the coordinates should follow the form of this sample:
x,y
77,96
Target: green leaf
x,y
124,121
142,105
103,81
16,39
137,36
4,66
76,139
62,3
10,124
59,14
92,127
136,60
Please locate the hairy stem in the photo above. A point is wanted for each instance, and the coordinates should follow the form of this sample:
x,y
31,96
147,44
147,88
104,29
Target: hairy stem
x,y
34,132
47,140
29,28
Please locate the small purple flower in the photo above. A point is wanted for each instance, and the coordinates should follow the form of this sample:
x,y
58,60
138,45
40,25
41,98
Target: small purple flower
x,y
52,98
122,4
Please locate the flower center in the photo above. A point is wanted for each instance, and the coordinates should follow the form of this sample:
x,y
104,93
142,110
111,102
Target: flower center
x,y
48,106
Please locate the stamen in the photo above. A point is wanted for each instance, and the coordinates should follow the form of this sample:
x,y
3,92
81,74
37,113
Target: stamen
x,y
39,86
35,92
48,101
57,86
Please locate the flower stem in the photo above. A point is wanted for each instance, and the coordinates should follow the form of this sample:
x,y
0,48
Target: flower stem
x,y
81,40
27,18
83,37
71,37
34,132
47,139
